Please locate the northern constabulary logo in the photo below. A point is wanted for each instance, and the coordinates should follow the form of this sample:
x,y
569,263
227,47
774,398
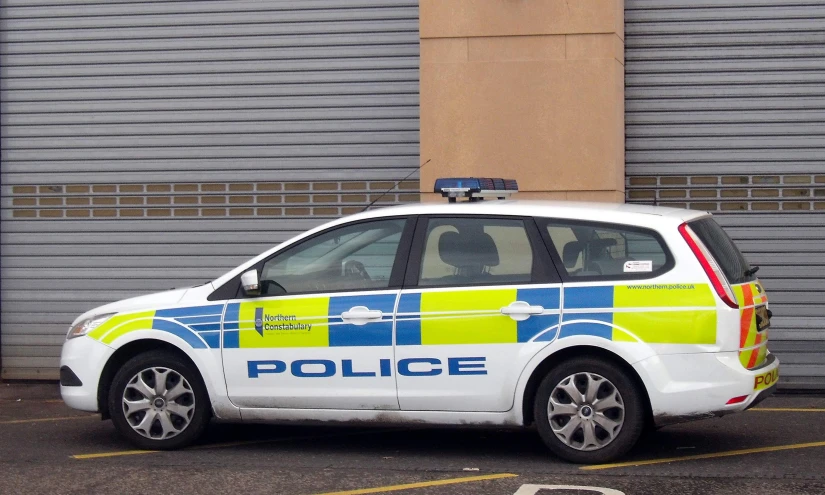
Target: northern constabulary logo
x,y
259,321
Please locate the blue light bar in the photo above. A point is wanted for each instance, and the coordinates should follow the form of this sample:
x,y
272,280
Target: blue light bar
x,y
475,188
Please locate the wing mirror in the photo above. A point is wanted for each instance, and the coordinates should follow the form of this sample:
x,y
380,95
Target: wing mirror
x,y
250,283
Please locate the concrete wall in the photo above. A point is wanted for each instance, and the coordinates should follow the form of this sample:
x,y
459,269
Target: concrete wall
x,y
525,89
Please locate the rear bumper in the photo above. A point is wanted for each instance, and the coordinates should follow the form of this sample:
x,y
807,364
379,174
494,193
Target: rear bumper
x,y
685,387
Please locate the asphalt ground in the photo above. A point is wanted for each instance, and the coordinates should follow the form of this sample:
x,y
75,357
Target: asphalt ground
x,y
45,447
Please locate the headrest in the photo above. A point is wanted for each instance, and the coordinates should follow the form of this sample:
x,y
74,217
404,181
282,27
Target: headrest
x,y
571,252
468,250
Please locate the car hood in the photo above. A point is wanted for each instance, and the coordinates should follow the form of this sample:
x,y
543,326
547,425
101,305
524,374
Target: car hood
x,y
149,301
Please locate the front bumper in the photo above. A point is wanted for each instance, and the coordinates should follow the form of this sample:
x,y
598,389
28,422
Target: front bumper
x,y
85,358
684,387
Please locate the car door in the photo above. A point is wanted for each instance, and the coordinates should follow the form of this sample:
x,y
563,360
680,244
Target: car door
x,y
480,298
321,333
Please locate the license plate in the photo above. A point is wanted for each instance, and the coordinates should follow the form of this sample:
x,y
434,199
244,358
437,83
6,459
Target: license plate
x,y
765,380
762,320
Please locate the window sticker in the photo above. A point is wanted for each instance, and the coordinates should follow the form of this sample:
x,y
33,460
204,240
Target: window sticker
x,y
638,266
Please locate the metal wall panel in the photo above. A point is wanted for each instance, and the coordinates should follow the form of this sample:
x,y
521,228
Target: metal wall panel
x,y
725,111
151,145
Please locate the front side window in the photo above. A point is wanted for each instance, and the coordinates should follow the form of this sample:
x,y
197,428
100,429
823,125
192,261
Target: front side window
x,y
605,251
473,251
353,257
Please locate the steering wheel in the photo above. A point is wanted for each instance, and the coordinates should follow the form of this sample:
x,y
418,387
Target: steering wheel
x,y
356,268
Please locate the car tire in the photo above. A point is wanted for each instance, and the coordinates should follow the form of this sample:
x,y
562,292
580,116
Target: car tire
x,y
165,417
603,422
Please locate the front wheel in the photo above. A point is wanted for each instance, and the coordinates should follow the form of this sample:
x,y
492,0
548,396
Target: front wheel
x,y
158,401
589,411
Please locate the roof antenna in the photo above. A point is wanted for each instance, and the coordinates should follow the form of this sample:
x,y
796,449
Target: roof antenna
x,y
394,185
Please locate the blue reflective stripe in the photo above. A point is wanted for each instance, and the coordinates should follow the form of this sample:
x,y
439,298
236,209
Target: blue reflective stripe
x,y
213,339
232,312
534,325
573,326
206,327
194,320
588,297
547,297
231,339
181,331
214,309
408,328
378,333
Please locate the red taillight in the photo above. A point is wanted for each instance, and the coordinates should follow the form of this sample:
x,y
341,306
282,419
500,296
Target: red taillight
x,y
714,273
737,400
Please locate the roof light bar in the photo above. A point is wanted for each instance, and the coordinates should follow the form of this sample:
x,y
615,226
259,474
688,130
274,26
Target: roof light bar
x,y
475,188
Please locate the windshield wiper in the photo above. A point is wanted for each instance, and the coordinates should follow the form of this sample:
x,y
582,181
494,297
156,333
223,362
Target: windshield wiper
x,y
751,271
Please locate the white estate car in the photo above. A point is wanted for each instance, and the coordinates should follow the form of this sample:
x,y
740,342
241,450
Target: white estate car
x,y
591,321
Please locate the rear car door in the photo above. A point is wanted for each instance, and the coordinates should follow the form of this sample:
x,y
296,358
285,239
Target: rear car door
x,y
480,294
321,335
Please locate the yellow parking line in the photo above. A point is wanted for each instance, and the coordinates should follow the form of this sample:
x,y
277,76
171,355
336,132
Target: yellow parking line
x,y
113,454
422,484
786,409
43,420
232,444
729,453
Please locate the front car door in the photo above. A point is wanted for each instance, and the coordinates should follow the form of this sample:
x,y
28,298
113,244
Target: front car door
x,y
481,297
321,334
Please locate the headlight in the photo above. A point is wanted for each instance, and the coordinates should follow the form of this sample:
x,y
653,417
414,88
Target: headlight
x,y
87,325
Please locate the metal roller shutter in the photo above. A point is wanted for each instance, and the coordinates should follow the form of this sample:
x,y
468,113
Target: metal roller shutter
x,y
725,111
149,145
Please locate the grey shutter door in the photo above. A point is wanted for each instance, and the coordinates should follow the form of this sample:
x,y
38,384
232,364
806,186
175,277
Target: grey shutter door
x,y
151,145
725,111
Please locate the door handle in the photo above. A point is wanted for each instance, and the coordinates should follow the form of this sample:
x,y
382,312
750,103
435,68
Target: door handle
x,y
520,310
362,313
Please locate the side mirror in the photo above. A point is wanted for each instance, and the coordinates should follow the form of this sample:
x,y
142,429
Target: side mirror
x,y
250,283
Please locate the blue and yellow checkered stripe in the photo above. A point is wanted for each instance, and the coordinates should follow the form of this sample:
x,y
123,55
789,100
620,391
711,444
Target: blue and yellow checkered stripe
x,y
472,316
307,322
654,314
650,313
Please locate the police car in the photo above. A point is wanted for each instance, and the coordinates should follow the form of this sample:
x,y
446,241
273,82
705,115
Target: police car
x,y
591,321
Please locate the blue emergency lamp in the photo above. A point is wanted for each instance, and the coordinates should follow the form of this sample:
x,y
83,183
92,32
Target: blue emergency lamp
x,y
475,188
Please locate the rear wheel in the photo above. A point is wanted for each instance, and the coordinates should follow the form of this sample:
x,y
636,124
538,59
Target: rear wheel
x,y
158,401
589,411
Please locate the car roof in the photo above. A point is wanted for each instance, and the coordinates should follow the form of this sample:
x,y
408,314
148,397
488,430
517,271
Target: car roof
x,y
578,210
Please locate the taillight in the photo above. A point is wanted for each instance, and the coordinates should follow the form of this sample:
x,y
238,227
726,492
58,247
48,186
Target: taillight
x,y
714,273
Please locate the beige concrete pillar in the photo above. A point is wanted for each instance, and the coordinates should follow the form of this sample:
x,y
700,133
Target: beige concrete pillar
x,y
525,89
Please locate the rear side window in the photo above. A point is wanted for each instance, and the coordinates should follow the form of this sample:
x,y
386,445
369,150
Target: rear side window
x,y
598,251
476,251
724,251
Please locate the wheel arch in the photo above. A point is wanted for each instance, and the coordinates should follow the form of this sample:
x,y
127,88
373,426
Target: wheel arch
x,y
124,354
565,354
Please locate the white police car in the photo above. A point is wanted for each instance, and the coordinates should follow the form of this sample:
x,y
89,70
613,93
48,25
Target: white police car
x,y
589,320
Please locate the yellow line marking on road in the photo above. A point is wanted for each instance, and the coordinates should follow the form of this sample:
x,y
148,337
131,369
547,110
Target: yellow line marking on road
x,y
113,454
715,455
422,484
787,409
43,420
233,444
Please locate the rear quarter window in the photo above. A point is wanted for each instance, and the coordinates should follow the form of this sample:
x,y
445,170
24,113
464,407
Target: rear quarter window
x,y
724,251
593,251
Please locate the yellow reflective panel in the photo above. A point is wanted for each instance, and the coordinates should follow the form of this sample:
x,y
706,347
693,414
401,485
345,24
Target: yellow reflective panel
x,y
663,296
299,322
480,323
119,325
667,327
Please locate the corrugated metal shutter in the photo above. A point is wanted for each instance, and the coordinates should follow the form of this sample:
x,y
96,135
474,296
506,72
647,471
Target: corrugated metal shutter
x,y
148,145
725,111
